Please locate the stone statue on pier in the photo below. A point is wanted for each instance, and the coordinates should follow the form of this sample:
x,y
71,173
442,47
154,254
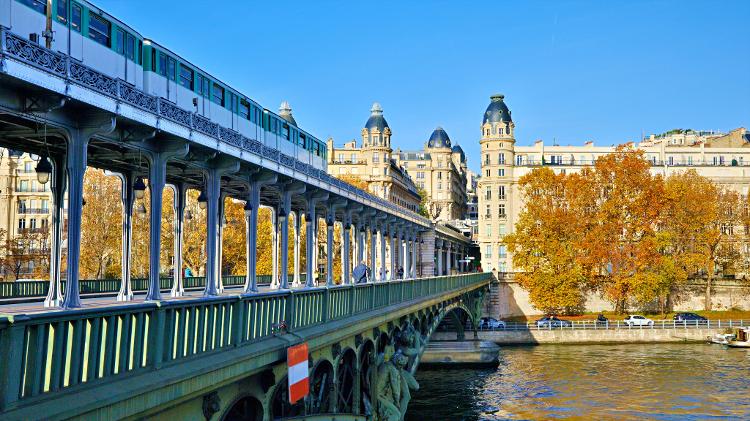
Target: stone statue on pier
x,y
393,388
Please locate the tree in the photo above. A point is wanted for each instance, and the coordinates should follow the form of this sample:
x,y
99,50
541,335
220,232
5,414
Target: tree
x,y
100,226
719,241
424,203
27,253
547,239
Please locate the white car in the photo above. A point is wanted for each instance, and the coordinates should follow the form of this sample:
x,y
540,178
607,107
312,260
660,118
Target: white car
x,y
638,320
491,323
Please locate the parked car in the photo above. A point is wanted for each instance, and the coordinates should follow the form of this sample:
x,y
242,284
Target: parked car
x,y
689,317
491,323
552,321
638,320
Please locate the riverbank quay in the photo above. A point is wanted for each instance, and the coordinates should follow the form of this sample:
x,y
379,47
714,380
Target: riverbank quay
x,y
602,333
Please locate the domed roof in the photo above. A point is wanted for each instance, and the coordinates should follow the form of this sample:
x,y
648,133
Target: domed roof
x,y
439,139
285,112
376,120
497,111
459,150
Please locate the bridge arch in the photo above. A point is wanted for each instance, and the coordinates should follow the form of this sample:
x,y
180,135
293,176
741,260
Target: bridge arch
x,y
366,357
244,408
346,374
279,404
321,399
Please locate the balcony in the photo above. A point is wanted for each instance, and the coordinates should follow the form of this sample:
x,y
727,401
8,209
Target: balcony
x,y
33,211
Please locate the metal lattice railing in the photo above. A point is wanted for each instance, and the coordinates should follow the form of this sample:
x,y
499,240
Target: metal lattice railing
x,y
618,324
57,350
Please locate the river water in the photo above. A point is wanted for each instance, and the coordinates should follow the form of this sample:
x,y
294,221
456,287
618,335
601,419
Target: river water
x,y
596,382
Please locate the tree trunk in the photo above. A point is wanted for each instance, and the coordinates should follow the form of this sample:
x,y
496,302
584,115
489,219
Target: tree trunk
x,y
709,282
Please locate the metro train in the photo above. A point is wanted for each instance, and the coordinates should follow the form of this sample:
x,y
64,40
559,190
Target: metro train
x,y
99,40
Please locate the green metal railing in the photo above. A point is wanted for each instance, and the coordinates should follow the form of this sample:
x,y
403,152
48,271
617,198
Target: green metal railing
x,y
47,352
32,289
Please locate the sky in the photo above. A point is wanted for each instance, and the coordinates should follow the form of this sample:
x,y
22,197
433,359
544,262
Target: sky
x,y
571,71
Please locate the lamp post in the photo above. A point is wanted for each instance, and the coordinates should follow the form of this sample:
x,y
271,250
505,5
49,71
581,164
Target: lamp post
x,y
139,188
43,170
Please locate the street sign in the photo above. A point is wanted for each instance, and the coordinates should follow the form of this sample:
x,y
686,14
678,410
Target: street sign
x,y
299,384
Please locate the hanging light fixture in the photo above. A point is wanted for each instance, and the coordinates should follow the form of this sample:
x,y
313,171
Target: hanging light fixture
x,y
43,170
202,200
141,210
139,187
248,209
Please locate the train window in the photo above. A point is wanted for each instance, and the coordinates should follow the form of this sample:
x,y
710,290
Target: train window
x,y
38,5
162,64
153,60
99,29
130,47
62,11
244,109
303,141
285,131
205,86
186,77
171,68
120,41
218,94
75,22
140,52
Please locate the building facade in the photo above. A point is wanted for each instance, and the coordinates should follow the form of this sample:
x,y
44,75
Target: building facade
x,y
440,171
373,162
723,158
25,214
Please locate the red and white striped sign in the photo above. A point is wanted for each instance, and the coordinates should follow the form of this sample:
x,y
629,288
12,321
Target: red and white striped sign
x,y
296,359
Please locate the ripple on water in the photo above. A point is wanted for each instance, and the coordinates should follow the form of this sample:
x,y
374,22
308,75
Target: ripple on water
x,y
665,382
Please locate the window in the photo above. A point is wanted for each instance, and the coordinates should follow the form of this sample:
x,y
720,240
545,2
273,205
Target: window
x,y
186,77
27,167
420,175
219,96
501,210
38,5
375,157
487,173
171,68
670,160
22,224
130,47
440,175
488,230
501,172
502,231
501,158
245,112
62,11
501,252
76,17
690,160
120,41
33,223
44,223
24,187
99,29
486,159
488,193
519,160
501,192
488,214
45,204
440,186
488,251
21,206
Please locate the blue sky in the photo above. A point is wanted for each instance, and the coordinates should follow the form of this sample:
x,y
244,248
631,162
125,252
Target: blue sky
x,y
571,71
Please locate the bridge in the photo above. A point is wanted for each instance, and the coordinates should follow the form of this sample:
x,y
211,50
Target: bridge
x,y
213,347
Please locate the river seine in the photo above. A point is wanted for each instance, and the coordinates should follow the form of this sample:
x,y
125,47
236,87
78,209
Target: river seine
x,y
597,382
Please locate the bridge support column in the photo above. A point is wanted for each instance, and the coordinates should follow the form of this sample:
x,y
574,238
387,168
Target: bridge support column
x,y
275,246
383,277
393,255
252,206
360,244
405,256
373,247
297,238
449,258
439,251
78,141
180,200
220,244
59,183
214,220
284,262
414,252
157,179
128,197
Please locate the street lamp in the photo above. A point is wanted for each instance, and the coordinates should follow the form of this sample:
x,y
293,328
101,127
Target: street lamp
x,y
43,170
202,200
139,188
